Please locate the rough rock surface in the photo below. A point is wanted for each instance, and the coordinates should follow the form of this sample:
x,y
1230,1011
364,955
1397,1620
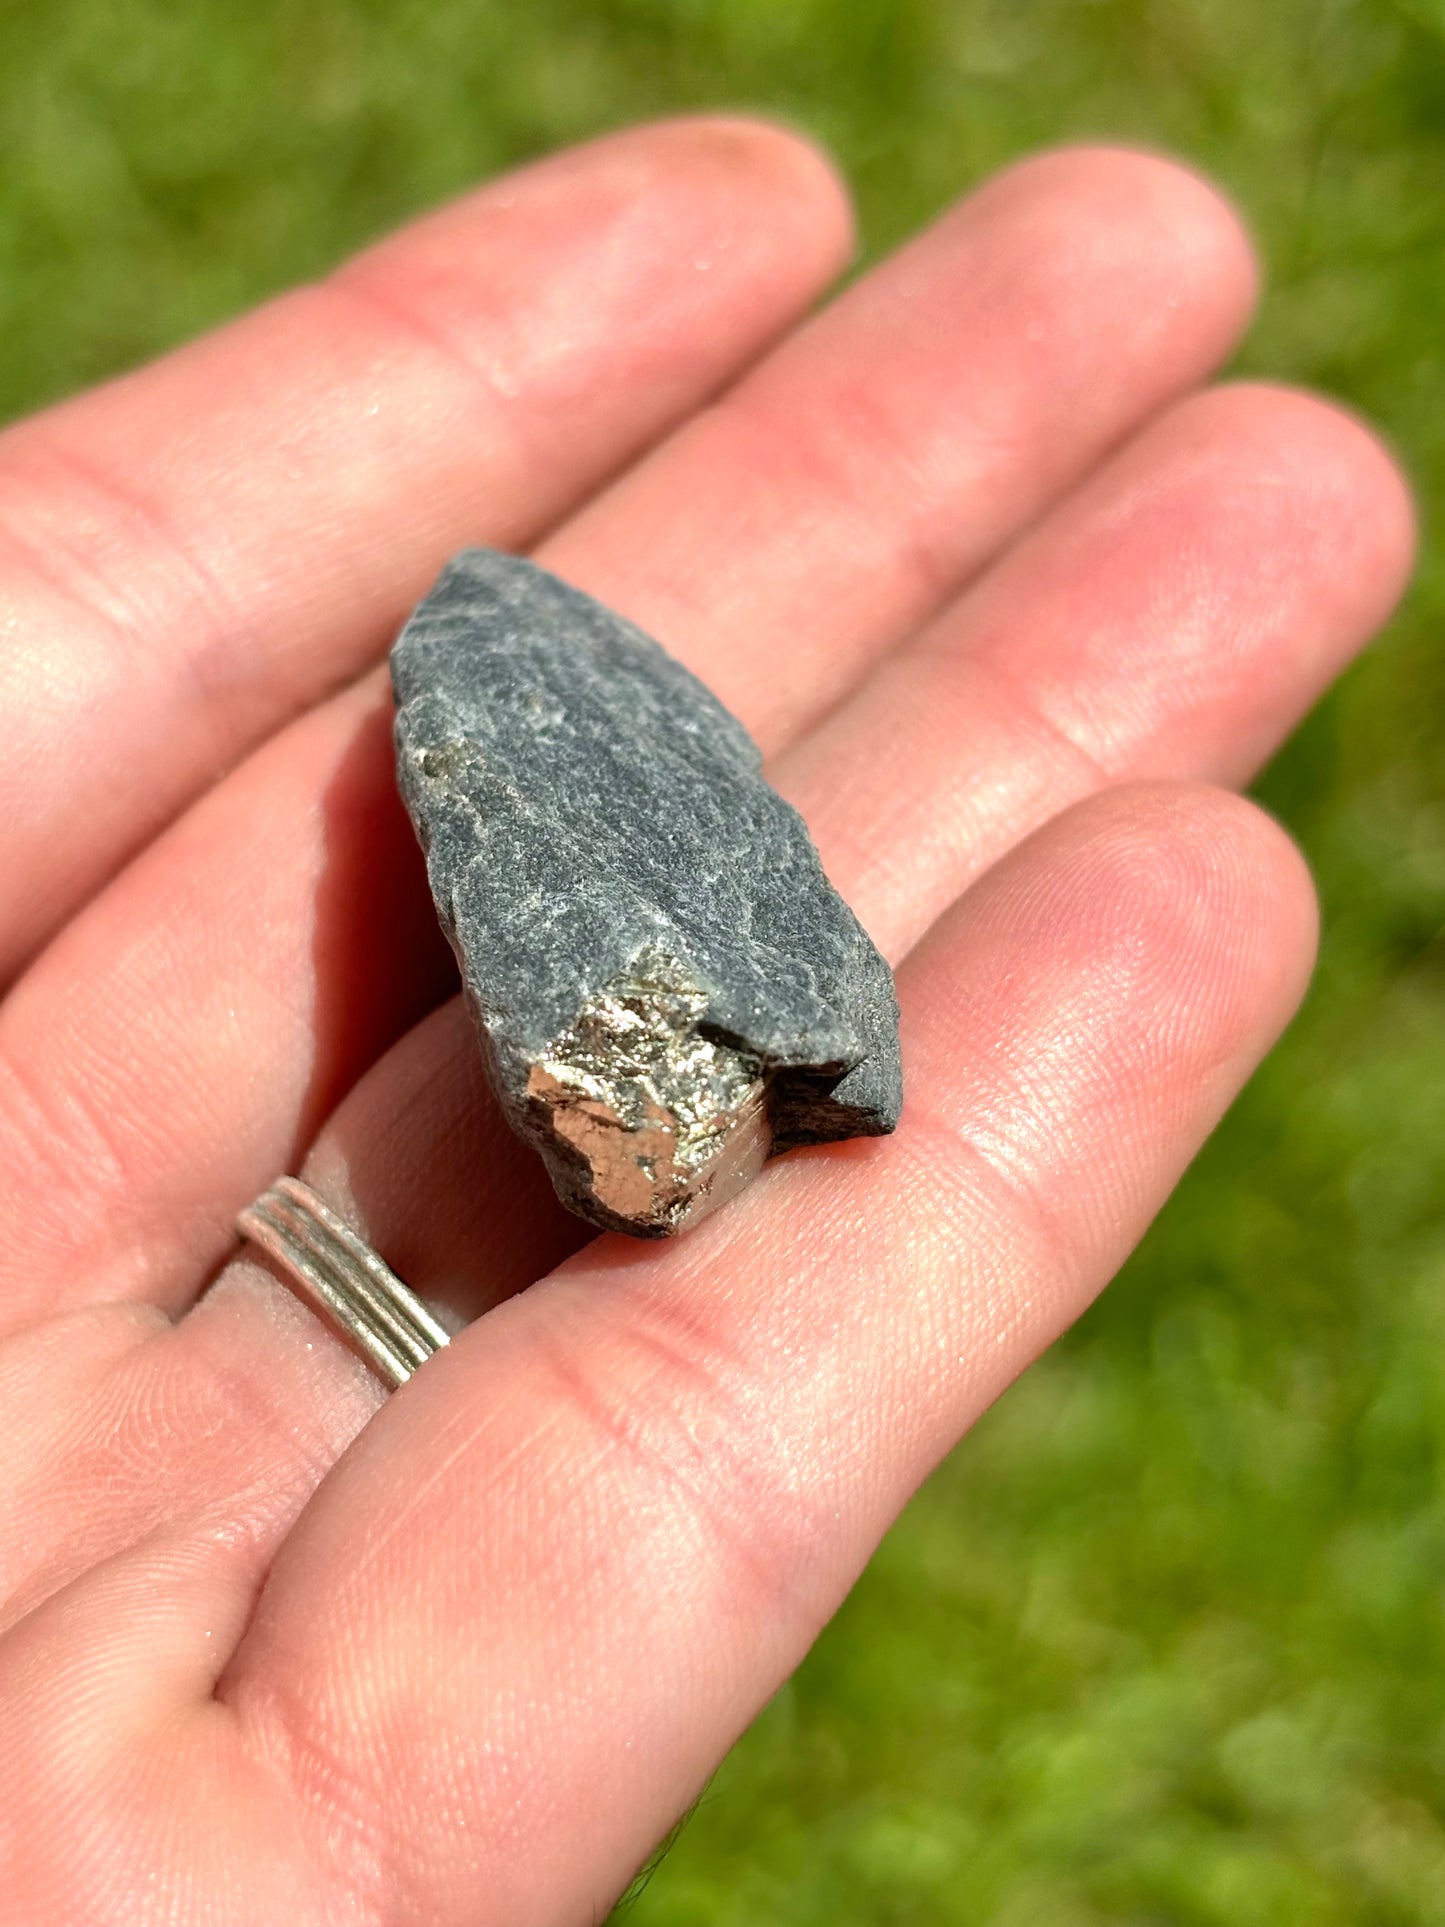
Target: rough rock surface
x,y
667,987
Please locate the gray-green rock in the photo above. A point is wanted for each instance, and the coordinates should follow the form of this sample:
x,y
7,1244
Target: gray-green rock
x,y
667,987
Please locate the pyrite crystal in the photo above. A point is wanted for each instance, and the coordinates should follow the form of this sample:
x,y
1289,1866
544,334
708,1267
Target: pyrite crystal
x,y
668,989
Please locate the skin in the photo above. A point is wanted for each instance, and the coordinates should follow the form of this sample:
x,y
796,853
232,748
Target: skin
x,y
1010,598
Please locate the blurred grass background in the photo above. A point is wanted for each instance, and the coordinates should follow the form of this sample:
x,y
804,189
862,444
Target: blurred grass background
x,y
1164,1641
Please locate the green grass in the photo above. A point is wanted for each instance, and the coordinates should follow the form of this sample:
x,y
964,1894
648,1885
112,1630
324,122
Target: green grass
x,y
1165,1640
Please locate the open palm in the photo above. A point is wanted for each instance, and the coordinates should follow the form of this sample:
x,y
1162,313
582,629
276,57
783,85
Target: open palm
x,y
998,589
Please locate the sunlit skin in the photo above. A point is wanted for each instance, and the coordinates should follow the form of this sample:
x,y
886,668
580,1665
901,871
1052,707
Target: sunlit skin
x,y
1010,596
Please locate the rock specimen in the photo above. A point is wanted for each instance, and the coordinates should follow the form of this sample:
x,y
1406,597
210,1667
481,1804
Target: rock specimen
x,y
667,987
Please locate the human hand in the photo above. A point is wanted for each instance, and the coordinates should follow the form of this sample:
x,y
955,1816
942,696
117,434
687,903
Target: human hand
x,y
998,591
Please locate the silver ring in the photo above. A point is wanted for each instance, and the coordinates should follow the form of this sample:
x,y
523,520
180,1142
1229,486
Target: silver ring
x,y
340,1276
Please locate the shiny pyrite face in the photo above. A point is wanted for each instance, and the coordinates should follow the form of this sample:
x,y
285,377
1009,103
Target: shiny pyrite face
x,y
668,1121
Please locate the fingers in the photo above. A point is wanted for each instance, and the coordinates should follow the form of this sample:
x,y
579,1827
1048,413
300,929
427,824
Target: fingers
x,y
1175,617
969,423
883,453
196,551
671,1463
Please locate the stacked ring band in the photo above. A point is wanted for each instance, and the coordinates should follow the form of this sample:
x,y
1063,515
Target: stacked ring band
x,y
340,1276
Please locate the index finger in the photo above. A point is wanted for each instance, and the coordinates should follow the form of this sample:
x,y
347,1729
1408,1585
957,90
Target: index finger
x,y
193,553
